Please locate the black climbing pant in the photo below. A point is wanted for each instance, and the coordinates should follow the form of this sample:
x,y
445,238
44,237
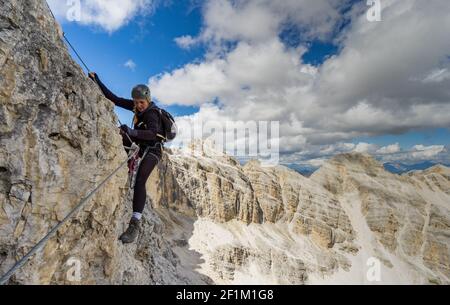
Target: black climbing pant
x,y
140,192
147,166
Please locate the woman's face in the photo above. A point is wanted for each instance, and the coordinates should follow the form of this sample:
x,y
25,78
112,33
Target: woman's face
x,y
141,104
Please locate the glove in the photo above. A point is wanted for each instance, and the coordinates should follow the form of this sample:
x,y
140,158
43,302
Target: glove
x,y
93,76
127,130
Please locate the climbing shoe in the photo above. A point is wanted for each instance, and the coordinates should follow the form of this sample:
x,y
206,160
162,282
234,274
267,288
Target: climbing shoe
x,y
132,232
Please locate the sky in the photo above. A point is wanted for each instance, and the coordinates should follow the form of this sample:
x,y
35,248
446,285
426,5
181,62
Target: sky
x,y
336,80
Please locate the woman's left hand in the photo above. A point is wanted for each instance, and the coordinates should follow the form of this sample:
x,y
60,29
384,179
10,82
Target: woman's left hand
x,y
127,130
124,128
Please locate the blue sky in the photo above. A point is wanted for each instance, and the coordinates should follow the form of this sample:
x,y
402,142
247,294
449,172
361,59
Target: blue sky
x,y
327,37
147,41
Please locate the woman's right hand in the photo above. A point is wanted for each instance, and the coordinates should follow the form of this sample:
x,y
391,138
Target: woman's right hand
x,y
93,75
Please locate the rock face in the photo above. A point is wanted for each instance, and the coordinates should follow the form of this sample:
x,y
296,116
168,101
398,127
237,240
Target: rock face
x,y
56,144
209,219
407,217
272,225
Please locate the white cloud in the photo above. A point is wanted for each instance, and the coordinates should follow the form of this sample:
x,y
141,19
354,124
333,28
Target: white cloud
x,y
316,162
250,21
426,152
437,76
246,75
365,148
185,42
194,84
295,149
107,14
258,20
389,149
366,89
316,155
419,153
130,64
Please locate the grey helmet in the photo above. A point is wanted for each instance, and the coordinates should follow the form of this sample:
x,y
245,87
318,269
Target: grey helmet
x,y
141,92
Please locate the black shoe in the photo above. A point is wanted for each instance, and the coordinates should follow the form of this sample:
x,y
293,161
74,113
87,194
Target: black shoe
x,y
132,232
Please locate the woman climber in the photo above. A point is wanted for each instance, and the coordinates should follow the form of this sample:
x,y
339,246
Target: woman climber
x,y
146,134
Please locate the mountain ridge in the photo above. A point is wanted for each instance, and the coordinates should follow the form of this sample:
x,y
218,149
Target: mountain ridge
x,y
351,194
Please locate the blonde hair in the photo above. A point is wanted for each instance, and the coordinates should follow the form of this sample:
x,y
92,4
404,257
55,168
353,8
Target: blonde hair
x,y
135,118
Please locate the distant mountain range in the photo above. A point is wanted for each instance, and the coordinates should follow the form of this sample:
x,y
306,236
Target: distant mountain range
x,y
392,167
301,169
400,168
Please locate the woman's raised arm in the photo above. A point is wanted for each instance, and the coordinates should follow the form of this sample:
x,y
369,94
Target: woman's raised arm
x,y
118,101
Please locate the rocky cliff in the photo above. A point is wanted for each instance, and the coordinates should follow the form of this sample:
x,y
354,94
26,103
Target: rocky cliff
x,y
209,219
272,225
58,140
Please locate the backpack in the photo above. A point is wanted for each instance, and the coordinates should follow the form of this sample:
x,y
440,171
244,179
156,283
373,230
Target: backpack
x,y
169,126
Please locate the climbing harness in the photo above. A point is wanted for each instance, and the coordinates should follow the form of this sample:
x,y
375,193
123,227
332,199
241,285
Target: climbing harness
x,y
133,168
135,163
4,279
